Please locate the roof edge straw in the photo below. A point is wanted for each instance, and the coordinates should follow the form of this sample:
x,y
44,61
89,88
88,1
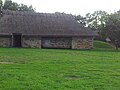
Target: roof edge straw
x,y
41,24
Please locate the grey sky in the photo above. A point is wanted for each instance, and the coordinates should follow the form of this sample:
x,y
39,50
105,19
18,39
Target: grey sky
x,y
73,6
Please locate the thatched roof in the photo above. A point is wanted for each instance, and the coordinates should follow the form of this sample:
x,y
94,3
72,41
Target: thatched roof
x,y
44,24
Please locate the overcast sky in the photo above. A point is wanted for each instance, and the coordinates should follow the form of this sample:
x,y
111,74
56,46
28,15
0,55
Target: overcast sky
x,y
72,6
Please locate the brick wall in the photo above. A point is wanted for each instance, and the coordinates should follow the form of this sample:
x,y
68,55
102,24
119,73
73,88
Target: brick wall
x,y
82,42
31,42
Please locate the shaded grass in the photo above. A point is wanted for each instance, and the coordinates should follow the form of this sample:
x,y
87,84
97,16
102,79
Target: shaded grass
x,y
103,45
51,69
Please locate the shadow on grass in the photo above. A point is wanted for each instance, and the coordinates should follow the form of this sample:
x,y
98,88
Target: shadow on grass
x,y
57,49
105,50
94,49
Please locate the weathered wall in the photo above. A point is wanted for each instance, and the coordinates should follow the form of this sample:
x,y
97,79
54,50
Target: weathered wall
x,y
82,42
31,42
56,42
5,41
37,42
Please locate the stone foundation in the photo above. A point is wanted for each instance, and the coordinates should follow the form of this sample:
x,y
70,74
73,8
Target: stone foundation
x,y
82,42
31,42
56,42
5,42
50,42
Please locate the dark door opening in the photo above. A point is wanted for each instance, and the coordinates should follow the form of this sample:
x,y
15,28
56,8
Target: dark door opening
x,y
16,40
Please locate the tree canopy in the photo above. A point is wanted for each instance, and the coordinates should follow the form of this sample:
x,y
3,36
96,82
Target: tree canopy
x,y
97,20
113,29
80,19
10,5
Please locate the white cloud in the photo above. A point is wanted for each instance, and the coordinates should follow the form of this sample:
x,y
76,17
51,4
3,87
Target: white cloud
x,y
72,6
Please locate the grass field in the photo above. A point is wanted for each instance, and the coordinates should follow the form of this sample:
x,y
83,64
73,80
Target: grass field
x,y
58,69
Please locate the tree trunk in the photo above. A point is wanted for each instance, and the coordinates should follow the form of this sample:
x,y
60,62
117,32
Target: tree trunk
x,y
116,47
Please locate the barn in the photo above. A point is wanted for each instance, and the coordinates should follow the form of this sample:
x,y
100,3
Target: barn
x,y
43,30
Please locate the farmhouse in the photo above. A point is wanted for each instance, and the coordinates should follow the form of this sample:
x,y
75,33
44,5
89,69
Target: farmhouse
x,y
43,30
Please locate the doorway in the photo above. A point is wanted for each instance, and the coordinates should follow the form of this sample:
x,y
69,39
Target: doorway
x,y
16,40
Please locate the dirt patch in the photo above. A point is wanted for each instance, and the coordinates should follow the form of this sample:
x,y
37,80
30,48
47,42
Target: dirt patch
x,y
72,77
7,63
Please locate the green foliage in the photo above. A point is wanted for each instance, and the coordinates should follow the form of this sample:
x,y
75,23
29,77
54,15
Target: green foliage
x,y
10,5
50,69
80,19
113,29
1,3
96,20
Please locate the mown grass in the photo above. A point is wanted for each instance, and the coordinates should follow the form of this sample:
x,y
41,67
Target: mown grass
x,y
103,45
58,69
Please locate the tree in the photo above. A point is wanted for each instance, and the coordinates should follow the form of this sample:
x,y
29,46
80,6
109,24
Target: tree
x,y
96,21
80,19
10,5
23,7
113,29
1,4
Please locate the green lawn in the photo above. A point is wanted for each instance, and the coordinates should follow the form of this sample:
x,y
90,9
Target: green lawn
x,y
58,69
103,45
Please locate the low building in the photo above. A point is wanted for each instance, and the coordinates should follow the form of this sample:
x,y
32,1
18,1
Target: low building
x,y
43,30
